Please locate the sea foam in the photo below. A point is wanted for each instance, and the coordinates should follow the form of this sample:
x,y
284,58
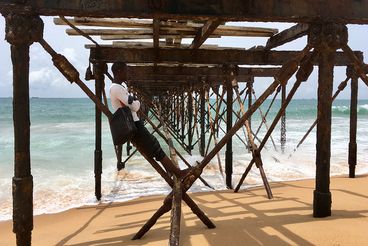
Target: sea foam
x,y
62,156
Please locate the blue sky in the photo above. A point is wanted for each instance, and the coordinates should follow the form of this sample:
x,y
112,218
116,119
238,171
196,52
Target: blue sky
x,y
46,81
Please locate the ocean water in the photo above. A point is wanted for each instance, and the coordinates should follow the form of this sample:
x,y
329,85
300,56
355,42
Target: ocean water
x,y
62,147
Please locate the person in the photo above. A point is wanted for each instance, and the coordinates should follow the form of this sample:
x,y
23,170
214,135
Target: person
x,y
143,140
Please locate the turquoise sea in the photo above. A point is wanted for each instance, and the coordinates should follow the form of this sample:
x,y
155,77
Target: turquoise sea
x,y
62,147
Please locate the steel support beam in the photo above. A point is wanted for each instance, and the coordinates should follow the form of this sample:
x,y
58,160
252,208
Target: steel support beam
x,y
204,32
201,56
288,35
250,97
202,143
21,32
229,125
322,195
156,33
344,11
353,125
150,72
190,120
326,38
99,82
283,120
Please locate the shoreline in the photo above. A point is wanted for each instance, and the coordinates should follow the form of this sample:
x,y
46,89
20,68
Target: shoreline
x,y
287,219
249,186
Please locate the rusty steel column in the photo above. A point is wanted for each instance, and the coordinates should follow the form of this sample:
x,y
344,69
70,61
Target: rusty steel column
x,y
170,107
326,38
202,144
353,123
190,119
283,120
174,112
177,113
21,32
250,99
229,125
99,82
250,91
182,116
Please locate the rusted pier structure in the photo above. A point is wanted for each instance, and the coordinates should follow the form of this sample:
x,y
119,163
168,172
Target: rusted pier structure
x,y
176,81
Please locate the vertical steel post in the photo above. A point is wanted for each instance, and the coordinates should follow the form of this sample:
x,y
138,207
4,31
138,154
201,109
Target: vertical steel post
x,y
190,119
326,38
21,32
283,120
171,106
322,194
229,125
99,82
177,113
202,144
174,111
182,116
250,90
353,124
250,99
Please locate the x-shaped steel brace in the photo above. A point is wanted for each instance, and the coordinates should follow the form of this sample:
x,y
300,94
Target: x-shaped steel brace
x,y
167,204
285,73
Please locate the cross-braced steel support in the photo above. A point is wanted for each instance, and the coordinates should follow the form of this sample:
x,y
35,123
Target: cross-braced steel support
x,y
326,38
21,31
352,159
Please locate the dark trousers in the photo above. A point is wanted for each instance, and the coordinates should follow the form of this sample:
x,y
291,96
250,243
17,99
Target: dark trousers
x,y
147,143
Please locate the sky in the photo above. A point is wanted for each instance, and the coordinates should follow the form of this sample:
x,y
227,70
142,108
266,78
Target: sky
x,y
46,80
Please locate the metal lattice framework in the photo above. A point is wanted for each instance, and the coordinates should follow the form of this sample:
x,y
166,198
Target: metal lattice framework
x,y
176,79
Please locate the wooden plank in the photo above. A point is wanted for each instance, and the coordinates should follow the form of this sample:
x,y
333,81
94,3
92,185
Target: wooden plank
x,y
189,26
106,22
243,33
287,35
201,56
343,11
99,32
226,28
162,36
204,33
163,44
142,44
201,34
124,44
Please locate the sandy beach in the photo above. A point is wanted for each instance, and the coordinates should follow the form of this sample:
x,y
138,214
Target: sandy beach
x,y
245,218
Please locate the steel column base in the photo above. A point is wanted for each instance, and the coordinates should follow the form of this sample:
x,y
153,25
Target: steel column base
x,y
352,159
321,204
352,171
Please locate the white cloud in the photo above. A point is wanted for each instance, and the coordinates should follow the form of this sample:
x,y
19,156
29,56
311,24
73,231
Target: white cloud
x,y
47,81
41,78
37,54
70,54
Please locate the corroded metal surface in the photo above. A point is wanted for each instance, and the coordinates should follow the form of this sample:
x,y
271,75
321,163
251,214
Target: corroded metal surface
x,y
352,157
326,39
202,56
342,11
19,33
179,78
